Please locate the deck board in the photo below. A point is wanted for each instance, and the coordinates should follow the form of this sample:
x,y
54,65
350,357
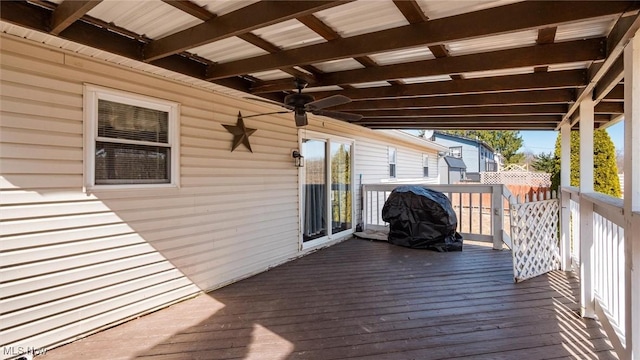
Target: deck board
x,y
367,300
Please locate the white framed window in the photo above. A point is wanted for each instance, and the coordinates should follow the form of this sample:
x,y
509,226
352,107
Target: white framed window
x,y
130,140
425,165
456,151
393,154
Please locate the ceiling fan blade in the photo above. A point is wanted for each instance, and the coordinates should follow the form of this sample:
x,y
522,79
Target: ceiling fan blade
x,y
330,101
300,116
339,115
269,113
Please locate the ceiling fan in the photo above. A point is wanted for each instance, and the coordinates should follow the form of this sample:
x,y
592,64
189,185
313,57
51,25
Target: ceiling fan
x,y
300,104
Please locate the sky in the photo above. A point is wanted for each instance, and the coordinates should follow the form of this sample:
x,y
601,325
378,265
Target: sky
x,y
538,142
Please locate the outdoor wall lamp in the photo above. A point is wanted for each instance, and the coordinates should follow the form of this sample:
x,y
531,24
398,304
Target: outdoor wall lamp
x,y
298,158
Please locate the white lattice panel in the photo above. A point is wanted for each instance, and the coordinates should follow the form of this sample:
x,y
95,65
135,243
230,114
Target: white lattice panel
x,y
516,178
534,227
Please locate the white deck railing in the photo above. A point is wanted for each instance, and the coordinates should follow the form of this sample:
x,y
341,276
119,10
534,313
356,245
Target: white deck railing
x,y
480,209
594,226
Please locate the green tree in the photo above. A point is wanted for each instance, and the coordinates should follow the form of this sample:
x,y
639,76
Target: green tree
x,y
605,169
544,162
506,142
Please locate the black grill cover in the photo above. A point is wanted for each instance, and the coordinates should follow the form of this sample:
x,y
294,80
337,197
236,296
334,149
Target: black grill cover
x,y
421,218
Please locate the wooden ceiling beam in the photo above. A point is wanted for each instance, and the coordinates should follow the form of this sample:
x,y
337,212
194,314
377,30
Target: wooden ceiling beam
x,y
68,12
605,107
507,98
537,55
553,80
26,15
538,109
241,21
481,111
615,94
545,36
466,119
453,126
513,17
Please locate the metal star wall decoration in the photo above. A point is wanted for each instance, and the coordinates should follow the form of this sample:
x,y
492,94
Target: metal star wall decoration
x,y
240,133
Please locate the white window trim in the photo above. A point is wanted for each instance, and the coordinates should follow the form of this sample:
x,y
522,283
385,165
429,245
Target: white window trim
x,y
393,161
425,164
451,153
92,94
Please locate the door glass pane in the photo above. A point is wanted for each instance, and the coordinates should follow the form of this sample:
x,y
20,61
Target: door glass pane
x,y
340,187
315,189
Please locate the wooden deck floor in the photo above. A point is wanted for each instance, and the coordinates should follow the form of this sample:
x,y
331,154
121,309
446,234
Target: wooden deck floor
x,y
367,300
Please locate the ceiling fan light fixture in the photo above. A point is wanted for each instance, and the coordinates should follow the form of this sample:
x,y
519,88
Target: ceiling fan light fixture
x,y
300,116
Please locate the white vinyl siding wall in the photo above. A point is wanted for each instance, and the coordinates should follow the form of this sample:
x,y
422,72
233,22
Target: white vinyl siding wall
x,y
75,261
98,258
371,161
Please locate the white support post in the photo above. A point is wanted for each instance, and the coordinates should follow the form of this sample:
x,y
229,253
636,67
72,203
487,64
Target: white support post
x,y
565,212
498,215
587,305
632,194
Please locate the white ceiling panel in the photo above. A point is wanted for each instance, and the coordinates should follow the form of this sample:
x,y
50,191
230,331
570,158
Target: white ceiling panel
x,y
585,29
289,34
227,50
570,66
402,56
502,72
424,79
361,17
493,43
371,84
440,9
272,75
152,18
222,7
338,65
321,88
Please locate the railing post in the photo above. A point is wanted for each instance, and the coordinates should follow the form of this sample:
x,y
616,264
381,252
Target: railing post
x,y
632,192
587,297
498,215
565,231
365,206
565,212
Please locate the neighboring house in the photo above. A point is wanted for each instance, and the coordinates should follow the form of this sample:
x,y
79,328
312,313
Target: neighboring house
x,y
121,195
405,164
477,155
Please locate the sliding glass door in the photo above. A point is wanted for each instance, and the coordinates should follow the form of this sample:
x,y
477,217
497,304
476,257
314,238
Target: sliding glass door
x,y
340,187
327,189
